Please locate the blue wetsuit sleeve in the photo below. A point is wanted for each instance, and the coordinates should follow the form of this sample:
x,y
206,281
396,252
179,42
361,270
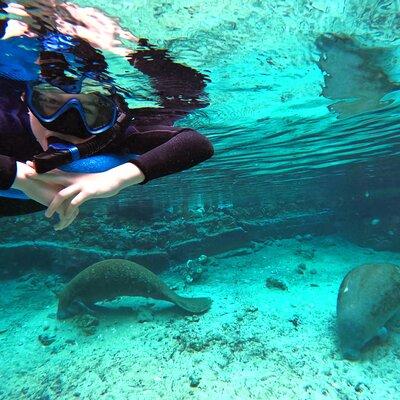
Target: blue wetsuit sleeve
x,y
8,171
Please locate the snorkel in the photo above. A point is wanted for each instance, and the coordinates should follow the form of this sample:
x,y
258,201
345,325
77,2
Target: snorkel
x,y
59,154
92,115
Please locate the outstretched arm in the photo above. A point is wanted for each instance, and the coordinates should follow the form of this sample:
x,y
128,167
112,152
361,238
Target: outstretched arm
x,y
179,87
165,150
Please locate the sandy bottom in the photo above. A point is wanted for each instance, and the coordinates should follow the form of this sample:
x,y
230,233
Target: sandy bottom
x,y
254,343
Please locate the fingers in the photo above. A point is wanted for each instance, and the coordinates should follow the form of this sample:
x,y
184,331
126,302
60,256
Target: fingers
x,y
76,202
66,216
59,198
66,221
125,34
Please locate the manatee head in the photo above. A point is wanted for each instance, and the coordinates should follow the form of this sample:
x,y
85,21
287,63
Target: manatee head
x,y
351,353
74,308
68,305
353,336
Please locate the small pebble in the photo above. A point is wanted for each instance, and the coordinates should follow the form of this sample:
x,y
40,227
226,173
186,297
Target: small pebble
x,y
192,318
273,283
203,259
194,380
302,266
87,323
46,340
360,387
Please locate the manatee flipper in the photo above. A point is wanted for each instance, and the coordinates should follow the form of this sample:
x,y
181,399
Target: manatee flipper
x,y
394,323
75,308
195,305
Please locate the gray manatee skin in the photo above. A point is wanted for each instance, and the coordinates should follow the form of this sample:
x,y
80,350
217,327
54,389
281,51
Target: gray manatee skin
x,y
108,279
368,302
353,74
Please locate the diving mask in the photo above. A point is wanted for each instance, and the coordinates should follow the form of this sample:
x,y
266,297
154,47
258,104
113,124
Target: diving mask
x,y
84,109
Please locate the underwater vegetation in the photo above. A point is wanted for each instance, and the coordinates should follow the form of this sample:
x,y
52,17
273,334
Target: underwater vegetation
x,y
368,304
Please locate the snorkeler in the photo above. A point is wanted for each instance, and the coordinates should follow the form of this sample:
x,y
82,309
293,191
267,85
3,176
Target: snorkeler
x,y
59,120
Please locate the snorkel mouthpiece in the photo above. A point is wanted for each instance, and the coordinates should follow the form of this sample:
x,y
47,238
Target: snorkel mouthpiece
x,y
59,154
56,155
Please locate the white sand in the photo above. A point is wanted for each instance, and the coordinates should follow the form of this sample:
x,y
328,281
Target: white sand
x,y
245,347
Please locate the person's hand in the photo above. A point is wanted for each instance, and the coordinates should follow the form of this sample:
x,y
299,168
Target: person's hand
x,y
100,30
42,192
80,187
14,26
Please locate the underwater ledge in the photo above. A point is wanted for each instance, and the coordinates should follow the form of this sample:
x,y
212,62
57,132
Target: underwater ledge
x,y
69,258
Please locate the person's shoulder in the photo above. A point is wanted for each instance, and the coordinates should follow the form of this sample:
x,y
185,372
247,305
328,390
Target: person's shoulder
x,y
13,112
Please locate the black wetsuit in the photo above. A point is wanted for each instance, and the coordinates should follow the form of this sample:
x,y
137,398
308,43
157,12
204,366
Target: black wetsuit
x,y
163,149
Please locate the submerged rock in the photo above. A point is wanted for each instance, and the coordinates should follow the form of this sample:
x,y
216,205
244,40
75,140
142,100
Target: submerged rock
x,y
46,339
194,380
203,259
87,323
306,253
273,283
193,270
301,268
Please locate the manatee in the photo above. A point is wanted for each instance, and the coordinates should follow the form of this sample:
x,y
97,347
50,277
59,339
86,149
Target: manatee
x,y
368,304
108,279
354,75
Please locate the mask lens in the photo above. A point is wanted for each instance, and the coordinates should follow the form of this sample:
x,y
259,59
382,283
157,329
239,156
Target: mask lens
x,y
98,110
47,103
94,107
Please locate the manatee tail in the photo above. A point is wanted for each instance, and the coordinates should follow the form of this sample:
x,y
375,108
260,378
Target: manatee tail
x,y
196,305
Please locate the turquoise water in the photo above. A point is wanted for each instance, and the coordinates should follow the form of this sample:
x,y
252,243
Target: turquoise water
x,y
267,114
303,188
267,118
